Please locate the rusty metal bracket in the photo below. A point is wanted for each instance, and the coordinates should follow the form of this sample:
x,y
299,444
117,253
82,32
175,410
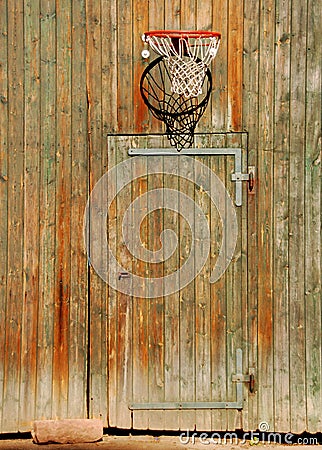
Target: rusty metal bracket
x,y
224,151
238,404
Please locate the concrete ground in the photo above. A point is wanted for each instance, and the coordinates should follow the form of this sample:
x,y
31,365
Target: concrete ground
x,y
146,442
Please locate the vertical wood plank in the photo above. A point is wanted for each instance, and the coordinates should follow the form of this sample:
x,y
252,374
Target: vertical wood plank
x,y
219,68
112,349
159,14
12,354
97,402
47,209
109,65
265,220
125,66
250,123
172,302
140,25
3,185
218,296
281,217
63,210
202,291
156,304
296,228
187,306
77,381
313,222
235,64
124,302
234,291
140,304
204,16
31,215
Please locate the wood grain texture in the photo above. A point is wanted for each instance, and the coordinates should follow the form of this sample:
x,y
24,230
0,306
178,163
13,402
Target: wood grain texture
x,y
313,223
47,217
296,226
13,323
31,214
78,316
281,217
70,345
3,188
63,211
265,213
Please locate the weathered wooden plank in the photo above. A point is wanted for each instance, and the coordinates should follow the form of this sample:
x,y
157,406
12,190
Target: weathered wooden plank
x,y
140,304
47,210
202,287
31,215
234,291
296,224
109,44
63,210
204,15
219,68
156,304
156,21
265,132
124,302
140,25
125,67
218,295
187,304
77,406
112,149
97,402
250,123
243,286
313,222
235,64
172,302
12,353
3,185
281,217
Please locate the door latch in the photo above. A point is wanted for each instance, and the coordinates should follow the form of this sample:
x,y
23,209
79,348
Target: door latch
x,y
250,177
241,378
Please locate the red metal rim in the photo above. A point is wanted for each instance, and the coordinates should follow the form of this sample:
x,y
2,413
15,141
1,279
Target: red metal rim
x,y
183,34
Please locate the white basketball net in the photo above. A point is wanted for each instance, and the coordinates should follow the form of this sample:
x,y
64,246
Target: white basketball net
x,y
188,63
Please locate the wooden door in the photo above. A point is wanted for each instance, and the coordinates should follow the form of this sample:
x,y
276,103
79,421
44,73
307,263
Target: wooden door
x,y
175,345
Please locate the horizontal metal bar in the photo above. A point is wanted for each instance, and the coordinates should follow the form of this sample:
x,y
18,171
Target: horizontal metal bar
x,y
186,405
186,151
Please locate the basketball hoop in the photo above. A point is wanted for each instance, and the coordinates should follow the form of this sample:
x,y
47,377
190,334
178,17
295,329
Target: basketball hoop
x,y
179,114
188,55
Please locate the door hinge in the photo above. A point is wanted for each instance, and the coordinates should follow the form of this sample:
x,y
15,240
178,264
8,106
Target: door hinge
x,y
245,378
250,177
